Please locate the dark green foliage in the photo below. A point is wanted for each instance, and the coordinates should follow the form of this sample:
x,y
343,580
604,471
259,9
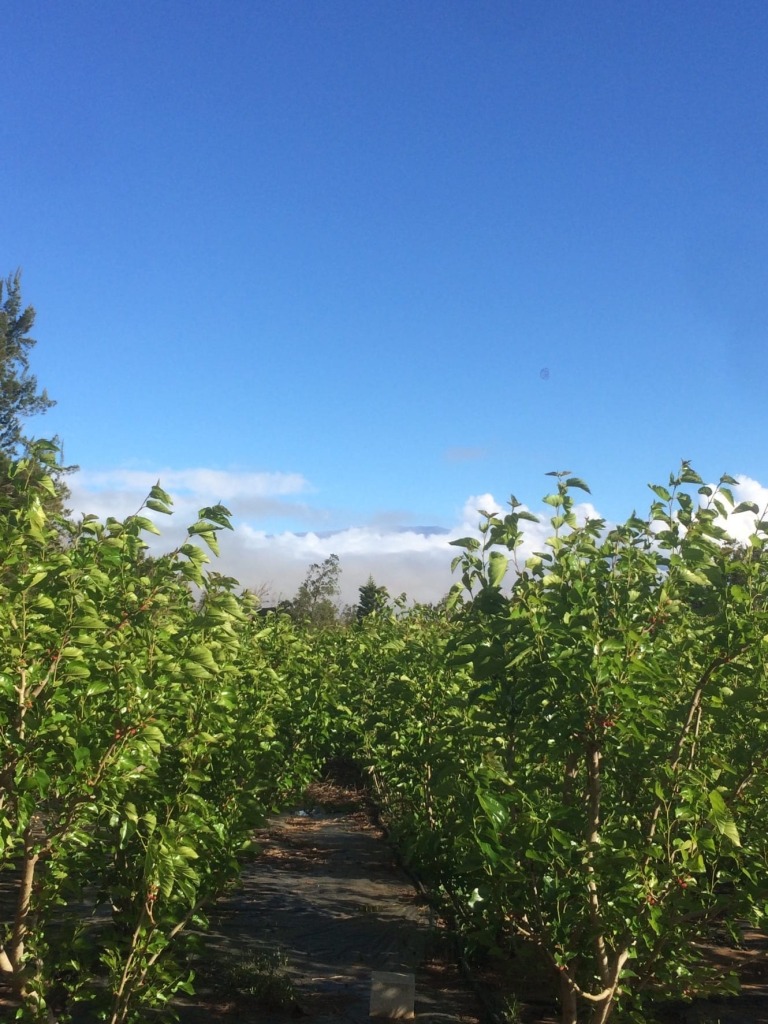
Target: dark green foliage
x,y
372,599
20,399
19,396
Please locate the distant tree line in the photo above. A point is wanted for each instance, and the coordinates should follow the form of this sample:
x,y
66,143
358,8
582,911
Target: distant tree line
x,y
316,603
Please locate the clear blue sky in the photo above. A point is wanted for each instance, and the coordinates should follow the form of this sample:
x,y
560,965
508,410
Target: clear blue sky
x,y
342,240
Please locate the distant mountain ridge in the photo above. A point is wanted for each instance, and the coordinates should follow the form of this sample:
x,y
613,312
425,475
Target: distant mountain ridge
x,y
425,531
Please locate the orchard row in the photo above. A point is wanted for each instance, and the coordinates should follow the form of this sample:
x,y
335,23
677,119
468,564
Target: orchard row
x,y
571,752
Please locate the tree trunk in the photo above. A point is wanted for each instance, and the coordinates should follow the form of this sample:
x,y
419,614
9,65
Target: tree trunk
x,y
568,1002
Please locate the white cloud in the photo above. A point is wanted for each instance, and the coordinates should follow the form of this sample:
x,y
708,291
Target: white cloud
x,y
742,525
401,557
120,492
215,484
403,561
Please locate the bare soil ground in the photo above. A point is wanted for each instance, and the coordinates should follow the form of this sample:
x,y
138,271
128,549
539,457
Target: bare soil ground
x,y
326,902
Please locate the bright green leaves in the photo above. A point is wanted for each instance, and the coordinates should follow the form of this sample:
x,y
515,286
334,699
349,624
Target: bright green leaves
x,y
623,681
211,521
202,656
207,532
157,506
576,750
575,481
497,568
688,475
722,818
131,711
468,543
159,501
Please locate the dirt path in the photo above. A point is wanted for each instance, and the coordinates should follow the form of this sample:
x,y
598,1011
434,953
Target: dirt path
x,y
325,904
322,907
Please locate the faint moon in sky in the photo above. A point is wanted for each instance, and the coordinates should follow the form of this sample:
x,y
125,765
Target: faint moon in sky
x,y
544,373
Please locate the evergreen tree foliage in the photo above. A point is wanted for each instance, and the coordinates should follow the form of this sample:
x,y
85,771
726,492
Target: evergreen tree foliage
x,y
372,599
19,395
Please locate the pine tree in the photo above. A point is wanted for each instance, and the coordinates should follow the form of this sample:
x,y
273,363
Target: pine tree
x,y
19,397
372,599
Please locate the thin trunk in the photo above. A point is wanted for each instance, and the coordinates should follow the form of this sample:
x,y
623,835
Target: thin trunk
x,y
132,980
693,710
123,994
593,838
569,1007
602,1012
15,949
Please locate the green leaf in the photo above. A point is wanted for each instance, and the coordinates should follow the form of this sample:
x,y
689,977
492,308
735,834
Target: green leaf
x,y
202,656
201,527
497,568
158,494
70,652
495,809
217,514
693,577
97,687
469,543
153,736
146,524
689,475
474,898
194,553
560,837
576,481
722,818
194,670
207,533
157,506
746,506
76,670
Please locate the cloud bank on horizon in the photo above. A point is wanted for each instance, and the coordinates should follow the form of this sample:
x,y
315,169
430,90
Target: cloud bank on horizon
x,y
415,560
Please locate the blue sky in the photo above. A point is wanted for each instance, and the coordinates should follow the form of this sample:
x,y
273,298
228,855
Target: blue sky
x,y
317,255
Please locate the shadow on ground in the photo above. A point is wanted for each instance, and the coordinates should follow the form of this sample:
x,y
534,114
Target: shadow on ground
x,y
327,902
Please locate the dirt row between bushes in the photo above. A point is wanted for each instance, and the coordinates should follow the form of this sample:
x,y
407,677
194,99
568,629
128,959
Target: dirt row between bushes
x,y
321,907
